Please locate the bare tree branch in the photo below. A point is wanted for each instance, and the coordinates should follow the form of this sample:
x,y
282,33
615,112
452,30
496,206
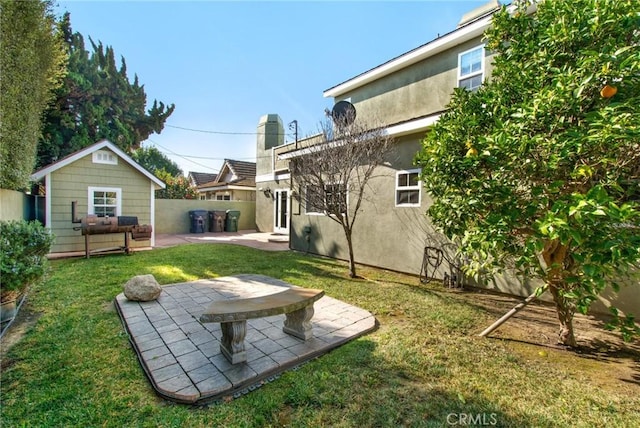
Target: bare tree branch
x,y
332,175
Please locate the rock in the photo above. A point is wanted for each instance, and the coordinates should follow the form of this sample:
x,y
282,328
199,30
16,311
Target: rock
x,y
142,288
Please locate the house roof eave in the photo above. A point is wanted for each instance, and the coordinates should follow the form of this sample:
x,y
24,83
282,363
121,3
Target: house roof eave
x,y
406,127
460,35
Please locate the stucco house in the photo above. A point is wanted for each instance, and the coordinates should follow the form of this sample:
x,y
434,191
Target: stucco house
x,y
99,180
408,93
235,182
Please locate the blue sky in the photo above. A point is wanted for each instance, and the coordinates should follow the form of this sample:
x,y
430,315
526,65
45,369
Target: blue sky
x,y
225,64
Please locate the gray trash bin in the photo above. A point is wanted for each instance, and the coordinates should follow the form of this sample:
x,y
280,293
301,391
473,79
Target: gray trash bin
x,y
198,221
216,221
231,222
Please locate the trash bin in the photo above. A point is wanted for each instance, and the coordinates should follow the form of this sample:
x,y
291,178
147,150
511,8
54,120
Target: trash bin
x,y
198,221
231,223
216,221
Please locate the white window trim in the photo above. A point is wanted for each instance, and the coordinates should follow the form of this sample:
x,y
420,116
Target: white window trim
x,y
306,205
90,196
346,196
475,73
104,157
325,213
417,187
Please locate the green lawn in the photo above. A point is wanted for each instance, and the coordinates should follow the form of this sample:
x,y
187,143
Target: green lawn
x,y
424,366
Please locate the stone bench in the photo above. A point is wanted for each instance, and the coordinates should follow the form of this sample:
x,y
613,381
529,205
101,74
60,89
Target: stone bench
x,y
296,303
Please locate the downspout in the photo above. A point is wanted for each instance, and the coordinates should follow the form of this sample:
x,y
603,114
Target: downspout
x,y
273,163
152,215
47,201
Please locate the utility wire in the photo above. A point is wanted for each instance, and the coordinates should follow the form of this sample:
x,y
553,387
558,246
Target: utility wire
x,y
220,132
184,156
188,157
166,150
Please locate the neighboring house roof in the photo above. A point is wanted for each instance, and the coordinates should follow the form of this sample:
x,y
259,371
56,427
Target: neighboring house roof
x,y
469,28
240,169
198,178
233,174
102,144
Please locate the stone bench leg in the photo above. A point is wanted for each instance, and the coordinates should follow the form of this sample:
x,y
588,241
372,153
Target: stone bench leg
x,y
298,323
232,343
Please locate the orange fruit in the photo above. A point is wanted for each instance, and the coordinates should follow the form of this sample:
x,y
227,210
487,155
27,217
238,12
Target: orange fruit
x,y
608,91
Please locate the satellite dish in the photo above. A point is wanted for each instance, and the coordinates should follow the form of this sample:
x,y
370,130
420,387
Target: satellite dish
x,y
343,112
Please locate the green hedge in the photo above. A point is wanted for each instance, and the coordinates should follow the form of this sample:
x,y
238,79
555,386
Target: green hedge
x,y
24,246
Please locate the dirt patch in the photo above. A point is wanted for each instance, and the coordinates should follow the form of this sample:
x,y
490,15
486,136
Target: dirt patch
x,y
21,324
533,332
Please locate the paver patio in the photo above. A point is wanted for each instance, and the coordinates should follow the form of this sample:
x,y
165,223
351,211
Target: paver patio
x,y
181,356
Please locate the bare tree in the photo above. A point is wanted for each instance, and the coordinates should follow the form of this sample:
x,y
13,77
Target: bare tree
x,y
332,175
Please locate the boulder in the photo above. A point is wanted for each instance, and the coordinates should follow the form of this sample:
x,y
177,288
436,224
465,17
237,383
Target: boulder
x,y
142,288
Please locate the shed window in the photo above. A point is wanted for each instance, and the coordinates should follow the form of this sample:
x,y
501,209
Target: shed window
x,y
408,188
105,157
105,201
471,68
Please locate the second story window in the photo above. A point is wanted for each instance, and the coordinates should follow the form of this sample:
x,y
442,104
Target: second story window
x,y
408,188
471,68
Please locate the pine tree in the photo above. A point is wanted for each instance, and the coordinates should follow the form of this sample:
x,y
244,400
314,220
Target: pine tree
x,y
97,101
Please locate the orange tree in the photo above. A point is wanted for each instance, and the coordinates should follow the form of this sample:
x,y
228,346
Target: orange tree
x,y
539,169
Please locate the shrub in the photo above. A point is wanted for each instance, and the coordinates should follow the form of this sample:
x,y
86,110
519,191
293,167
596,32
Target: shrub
x,y
178,187
23,249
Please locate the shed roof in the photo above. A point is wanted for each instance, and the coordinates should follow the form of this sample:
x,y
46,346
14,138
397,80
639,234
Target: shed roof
x,y
102,144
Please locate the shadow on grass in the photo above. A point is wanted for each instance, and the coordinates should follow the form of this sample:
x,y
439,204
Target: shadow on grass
x,y
357,386
78,361
599,350
536,326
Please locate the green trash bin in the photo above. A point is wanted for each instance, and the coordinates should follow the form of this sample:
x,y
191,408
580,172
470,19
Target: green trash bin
x,y
231,222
